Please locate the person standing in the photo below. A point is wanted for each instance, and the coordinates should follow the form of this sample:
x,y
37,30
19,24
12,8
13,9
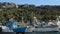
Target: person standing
x,y
10,23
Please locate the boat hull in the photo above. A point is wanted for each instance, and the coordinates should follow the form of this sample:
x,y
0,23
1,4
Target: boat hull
x,y
45,30
22,29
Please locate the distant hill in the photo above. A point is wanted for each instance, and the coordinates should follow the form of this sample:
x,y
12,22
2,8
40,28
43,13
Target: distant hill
x,y
7,5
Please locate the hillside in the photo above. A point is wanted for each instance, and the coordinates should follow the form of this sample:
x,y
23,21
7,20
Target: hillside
x,y
43,12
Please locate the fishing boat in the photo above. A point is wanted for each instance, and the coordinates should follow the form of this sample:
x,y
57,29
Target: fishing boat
x,y
43,27
15,28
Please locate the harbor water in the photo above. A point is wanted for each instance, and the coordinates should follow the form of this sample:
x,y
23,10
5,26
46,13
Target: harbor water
x,y
42,33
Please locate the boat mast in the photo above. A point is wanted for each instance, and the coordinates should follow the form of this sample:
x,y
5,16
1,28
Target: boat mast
x,y
31,19
22,19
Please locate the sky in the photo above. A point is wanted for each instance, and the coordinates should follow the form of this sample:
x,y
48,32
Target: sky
x,y
34,2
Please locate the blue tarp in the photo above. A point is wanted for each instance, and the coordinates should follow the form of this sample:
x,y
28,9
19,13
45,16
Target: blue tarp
x,y
22,29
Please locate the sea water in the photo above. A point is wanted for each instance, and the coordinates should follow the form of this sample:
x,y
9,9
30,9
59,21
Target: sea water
x,y
42,33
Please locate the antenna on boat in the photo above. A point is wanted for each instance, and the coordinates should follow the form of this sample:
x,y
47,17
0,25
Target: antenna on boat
x,y
31,19
32,15
22,19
